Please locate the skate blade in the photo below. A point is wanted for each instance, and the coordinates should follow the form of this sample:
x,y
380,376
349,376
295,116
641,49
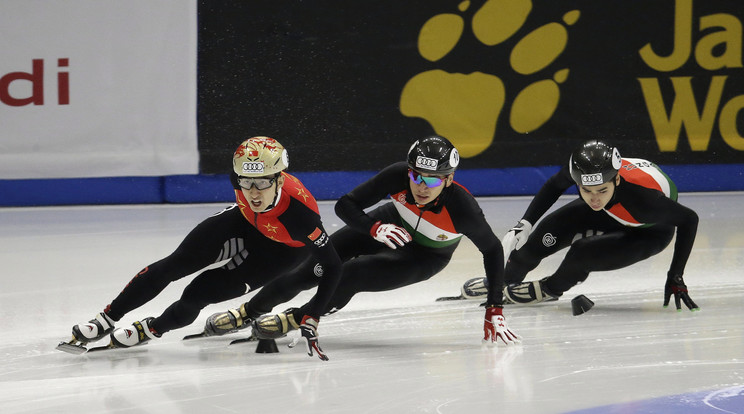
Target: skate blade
x,y
111,346
244,340
204,334
71,349
448,298
194,336
104,348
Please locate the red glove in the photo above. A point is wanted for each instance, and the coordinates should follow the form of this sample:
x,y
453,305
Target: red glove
x,y
495,327
390,234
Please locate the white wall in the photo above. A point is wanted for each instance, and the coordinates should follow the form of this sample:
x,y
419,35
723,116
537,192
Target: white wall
x,y
97,88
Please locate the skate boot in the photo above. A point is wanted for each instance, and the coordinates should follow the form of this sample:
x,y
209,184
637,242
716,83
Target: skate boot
x,y
275,326
528,292
231,320
137,333
475,288
94,330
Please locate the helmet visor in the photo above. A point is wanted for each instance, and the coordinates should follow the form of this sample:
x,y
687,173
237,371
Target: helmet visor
x,y
430,182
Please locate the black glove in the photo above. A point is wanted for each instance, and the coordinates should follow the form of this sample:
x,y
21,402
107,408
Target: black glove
x,y
676,285
309,331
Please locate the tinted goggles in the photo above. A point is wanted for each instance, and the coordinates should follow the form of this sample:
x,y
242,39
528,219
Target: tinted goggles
x,y
430,182
260,183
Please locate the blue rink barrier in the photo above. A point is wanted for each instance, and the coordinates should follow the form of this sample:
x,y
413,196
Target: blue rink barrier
x,y
323,185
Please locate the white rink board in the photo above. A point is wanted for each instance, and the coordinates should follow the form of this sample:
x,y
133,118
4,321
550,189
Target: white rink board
x,y
97,88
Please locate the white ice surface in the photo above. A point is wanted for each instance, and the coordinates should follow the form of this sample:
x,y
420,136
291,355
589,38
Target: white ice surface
x,y
391,352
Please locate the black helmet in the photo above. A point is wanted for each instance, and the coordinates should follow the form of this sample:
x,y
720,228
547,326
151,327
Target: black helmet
x,y
434,155
594,163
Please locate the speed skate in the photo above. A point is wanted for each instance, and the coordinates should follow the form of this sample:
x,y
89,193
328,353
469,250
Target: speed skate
x,y
76,347
206,334
73,346
475,288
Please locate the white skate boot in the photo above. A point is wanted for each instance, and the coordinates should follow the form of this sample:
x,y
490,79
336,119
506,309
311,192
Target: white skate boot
x,y
94,330
135,334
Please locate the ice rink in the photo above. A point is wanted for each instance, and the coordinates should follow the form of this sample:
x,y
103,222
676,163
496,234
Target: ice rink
x,y
390,352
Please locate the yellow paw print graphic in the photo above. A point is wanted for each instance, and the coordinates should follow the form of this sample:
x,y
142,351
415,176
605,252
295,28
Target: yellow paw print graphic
x,y
465,108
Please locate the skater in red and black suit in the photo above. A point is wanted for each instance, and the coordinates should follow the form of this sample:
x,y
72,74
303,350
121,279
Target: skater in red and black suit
x,y
273,227
401,242
627,212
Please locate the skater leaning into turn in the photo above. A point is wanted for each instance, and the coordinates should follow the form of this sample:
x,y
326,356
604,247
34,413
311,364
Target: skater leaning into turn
x,y
274,226
627,212
401,242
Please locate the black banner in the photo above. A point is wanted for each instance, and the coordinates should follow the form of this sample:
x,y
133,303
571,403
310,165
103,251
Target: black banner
x,y
348,85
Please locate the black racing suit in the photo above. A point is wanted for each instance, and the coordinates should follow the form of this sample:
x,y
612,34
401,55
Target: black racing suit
x,y
259,247
371,266
637,223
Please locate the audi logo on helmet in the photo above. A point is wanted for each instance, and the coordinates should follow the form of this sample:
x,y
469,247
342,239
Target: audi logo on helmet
x,y
426,163
591,179
253,167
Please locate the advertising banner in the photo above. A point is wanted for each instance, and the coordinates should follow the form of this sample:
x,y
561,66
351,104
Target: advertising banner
x,y
512,83
97,88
